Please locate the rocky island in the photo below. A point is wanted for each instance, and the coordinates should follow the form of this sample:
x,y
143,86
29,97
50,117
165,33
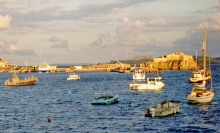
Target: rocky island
x,y
174,61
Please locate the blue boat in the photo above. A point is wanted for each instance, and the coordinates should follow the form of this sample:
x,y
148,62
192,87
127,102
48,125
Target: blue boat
x,y
105,99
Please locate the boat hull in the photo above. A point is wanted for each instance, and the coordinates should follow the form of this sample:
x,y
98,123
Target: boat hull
x,y
200,99
146,86
105,101
73,77
31,82
43,71
199,80
164,109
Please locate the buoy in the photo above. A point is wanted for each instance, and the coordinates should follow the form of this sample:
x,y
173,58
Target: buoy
x,y
49,120
70,92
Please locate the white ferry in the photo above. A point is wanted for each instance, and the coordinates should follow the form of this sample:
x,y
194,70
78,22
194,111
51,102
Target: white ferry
x,y
44,68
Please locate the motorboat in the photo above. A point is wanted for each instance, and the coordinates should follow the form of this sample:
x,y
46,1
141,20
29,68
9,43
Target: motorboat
x,y
199,93
15,81
73,76
139,74
104,99
44,68
165,108
153,83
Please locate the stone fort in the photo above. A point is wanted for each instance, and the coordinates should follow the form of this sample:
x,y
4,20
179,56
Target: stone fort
x,y
174,56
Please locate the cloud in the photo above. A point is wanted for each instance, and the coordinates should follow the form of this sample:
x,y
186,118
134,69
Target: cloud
x,y
60,43
25,52
193,41
103,40
127,33
217,6
125,19
55,39
159,22
12,49
5,21
15,32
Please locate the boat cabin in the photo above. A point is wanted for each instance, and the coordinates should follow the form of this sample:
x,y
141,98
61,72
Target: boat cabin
x,y
154,80
139,74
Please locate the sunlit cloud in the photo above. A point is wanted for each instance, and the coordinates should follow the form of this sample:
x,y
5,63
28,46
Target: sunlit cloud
x,y
125,19
5,21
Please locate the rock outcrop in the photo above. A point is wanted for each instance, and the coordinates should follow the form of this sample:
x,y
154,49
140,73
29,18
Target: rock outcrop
x,y
175,61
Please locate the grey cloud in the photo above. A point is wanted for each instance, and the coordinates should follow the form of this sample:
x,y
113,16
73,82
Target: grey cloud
x,y
15,32
10,48
25,52
192,42
55,39
217,6
127,34
103,40
58,12
60,43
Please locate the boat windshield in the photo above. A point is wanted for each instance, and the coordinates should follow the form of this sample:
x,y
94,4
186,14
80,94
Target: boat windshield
x,y
151,79
159,80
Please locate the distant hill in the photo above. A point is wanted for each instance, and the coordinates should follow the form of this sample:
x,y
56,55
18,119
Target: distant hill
x,y
137,60
212,60
70,64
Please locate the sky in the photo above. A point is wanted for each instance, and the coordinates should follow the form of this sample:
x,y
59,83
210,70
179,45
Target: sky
x,y
98,31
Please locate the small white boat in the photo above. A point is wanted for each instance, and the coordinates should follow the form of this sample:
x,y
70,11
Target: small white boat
x,y
153,83
73,76
139,74
164,108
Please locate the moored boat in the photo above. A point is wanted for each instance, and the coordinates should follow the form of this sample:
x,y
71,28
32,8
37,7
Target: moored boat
x,y
139,74
165,108
153,83
105,99
198,76
44,68
15,81
73,76
199,93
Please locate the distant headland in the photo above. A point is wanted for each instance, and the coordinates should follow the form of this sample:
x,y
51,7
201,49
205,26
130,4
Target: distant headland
x,y
173,61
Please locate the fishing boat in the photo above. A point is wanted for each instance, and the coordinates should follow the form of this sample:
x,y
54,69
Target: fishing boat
x,y
153,83
15,81
139,74
73,76
198,76
165,108
199,93
44,68
104,99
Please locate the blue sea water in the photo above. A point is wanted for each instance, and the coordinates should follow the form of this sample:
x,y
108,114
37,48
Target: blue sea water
x,y
68,104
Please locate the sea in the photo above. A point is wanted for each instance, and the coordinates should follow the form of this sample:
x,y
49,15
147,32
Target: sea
x,y
68,105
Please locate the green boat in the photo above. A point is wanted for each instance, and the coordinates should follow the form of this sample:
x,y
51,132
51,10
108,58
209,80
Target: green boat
x,y
104,99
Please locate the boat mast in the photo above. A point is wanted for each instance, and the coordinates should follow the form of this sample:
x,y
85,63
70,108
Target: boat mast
x,y
204,52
